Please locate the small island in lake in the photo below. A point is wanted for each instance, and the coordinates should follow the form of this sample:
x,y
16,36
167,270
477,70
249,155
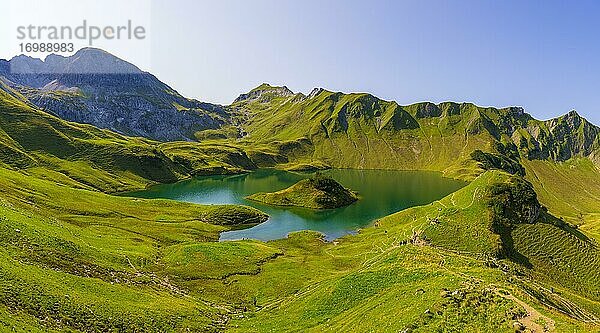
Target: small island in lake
x,y
318,192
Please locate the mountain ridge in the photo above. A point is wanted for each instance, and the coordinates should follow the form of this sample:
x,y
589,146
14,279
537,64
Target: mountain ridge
x,y
428,108
113,94
96,61
374,133
265,86
85,61
329,128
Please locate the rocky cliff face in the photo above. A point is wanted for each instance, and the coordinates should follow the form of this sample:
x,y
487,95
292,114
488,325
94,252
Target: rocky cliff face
x,y
264,93
97,88
558,139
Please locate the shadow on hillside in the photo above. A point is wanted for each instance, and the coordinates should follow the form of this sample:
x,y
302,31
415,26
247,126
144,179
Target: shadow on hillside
x,y
553,220
509,251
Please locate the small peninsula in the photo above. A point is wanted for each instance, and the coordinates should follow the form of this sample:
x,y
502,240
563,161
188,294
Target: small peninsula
x,y
317,192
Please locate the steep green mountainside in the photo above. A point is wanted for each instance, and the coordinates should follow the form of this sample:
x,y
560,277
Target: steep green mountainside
x,y
362,131
514,225
356,130
570,190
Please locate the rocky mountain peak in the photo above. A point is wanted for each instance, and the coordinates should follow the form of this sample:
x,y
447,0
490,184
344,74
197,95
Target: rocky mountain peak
x,y
315,92
85,61
571,120
92,60
516,111
25,64
264,92
108,92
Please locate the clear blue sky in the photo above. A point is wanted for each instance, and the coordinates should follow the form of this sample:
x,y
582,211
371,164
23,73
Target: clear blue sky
x,y
542,55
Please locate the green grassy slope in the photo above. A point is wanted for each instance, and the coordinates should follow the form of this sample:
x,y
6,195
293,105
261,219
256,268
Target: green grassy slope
x,y
499,219
74,258
570,190
102,252
164,276
90,261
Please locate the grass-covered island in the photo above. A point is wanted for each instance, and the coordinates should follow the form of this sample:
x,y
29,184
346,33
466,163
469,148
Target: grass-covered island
x,y
317,192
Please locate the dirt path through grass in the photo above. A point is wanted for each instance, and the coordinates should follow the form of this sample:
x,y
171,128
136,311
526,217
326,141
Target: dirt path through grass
x,y
533,318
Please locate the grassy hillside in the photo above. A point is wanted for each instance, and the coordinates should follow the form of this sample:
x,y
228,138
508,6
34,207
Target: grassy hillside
x,y
74,258
434,268
86,260
67,249
570,189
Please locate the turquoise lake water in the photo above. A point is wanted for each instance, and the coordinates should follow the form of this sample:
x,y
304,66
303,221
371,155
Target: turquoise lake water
x,y
382,193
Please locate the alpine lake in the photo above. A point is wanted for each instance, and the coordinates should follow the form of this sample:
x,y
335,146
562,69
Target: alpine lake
x,y
381,192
